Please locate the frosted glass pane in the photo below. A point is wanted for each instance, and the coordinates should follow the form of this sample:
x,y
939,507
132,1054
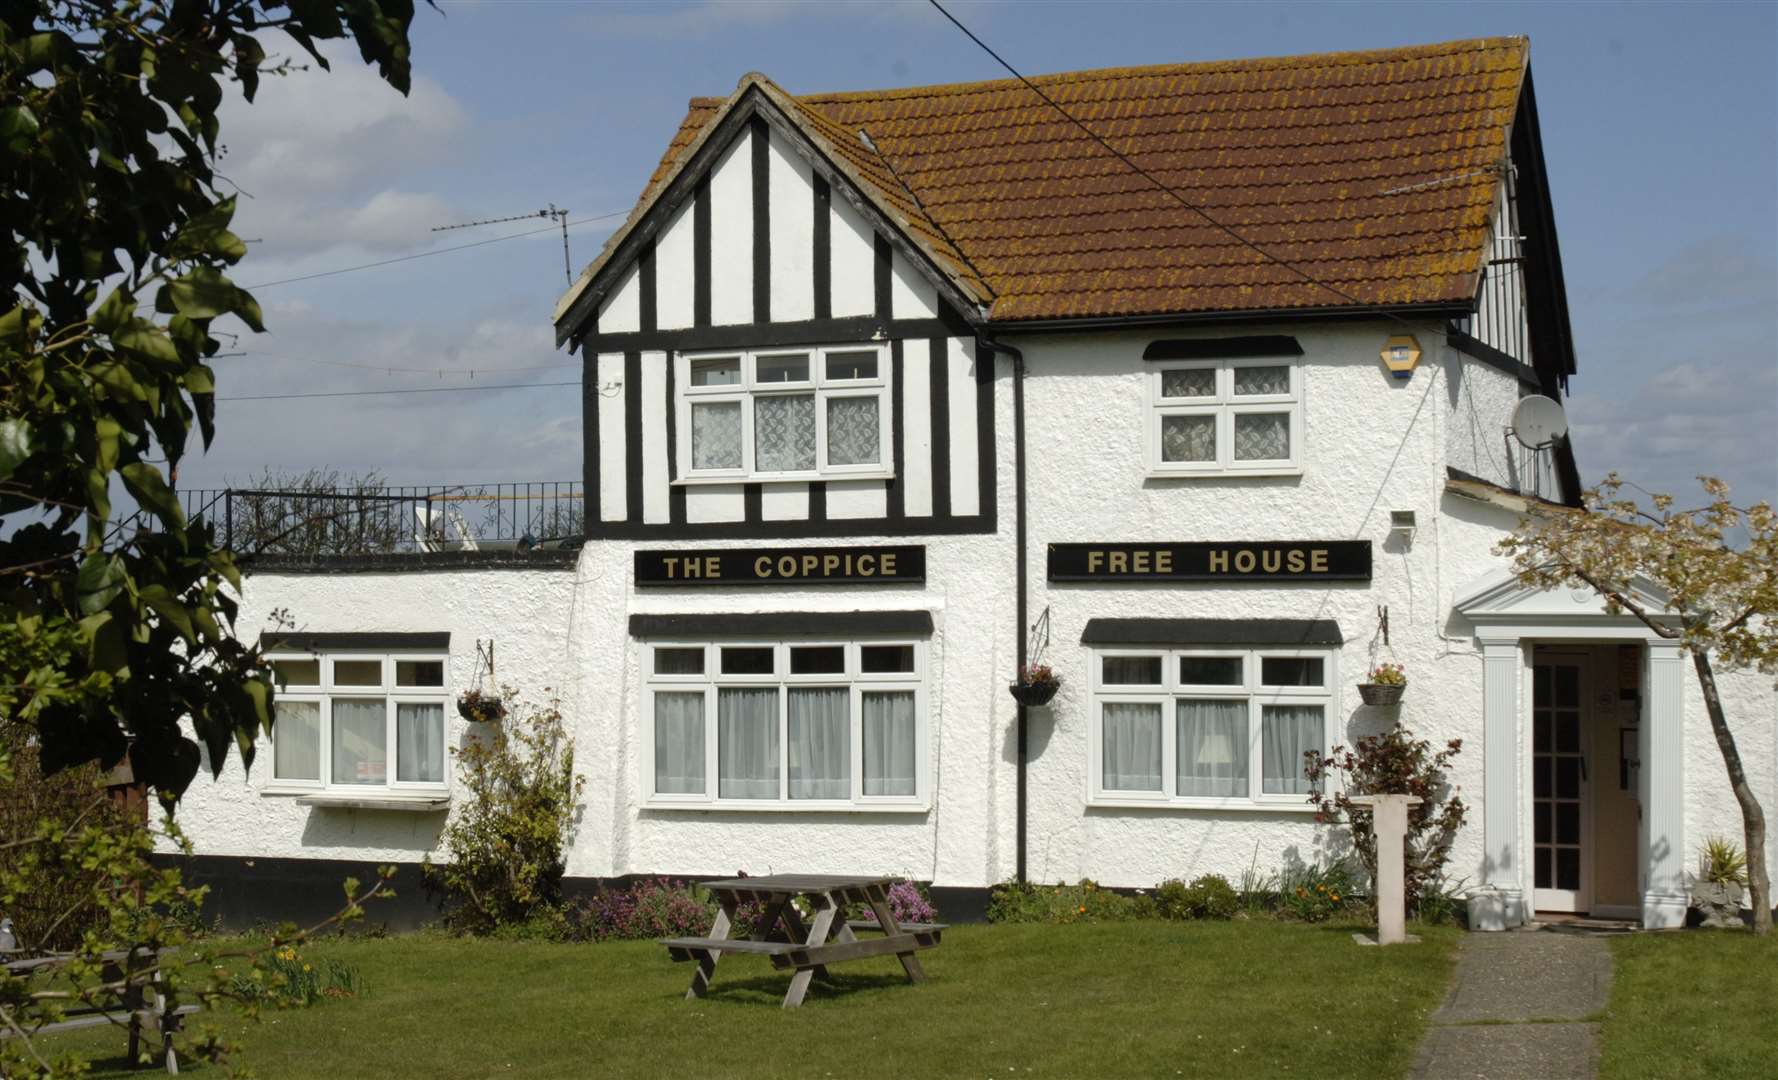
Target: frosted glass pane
x,y
716,435
784,433
853,431
1262,436
1189,383
1262,380
1188,438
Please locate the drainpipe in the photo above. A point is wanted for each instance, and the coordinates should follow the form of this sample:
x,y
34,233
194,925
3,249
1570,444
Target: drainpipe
x,y
1023,602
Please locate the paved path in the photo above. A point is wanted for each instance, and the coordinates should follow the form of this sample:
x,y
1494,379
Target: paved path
x,y
1523,1006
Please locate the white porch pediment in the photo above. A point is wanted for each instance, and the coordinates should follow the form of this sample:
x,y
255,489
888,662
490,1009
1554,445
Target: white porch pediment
x,y
1501,606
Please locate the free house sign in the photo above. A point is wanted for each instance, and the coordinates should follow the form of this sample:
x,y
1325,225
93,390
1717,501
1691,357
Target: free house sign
x,y
1275,561
887,564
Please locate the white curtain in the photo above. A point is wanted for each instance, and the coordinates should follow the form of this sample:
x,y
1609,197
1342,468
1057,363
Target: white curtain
x,y
1132,735
853,431
888,742
716,435
360,731
678,742
747,743
1188,438
1262,436
296,741
419,742
784,433
820,742
1212,748
1286,733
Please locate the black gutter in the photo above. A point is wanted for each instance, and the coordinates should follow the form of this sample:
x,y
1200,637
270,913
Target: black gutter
x,y
1022,604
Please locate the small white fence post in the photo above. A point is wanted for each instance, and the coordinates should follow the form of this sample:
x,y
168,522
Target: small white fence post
x,y
1389,824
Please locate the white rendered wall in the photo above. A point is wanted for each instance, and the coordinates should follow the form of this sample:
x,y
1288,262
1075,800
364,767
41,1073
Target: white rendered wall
x,y
1481,401
525,612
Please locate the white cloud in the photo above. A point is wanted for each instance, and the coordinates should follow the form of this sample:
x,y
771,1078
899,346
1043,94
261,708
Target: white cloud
x,y
710,17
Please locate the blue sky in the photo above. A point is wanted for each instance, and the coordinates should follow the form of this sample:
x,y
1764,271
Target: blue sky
x,y
1660,126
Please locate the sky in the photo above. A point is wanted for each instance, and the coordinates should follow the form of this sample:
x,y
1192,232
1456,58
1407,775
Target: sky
x,y
1660,127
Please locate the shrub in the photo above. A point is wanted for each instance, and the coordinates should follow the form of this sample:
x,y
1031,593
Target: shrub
x,y
1722,862
1208,897
1025,902
505,839
286,978
1394,763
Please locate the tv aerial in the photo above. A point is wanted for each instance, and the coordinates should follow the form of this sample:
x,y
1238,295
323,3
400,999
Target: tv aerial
x,y
1538,422
559,215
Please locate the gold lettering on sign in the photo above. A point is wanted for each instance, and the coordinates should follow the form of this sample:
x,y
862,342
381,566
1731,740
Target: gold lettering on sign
x,y
867,566
1244,561
1219,562
1163,561
1139,562
1120,562
1318,560
1094,560
1271,561
830,563
762,566
670,562
887,564
1294,561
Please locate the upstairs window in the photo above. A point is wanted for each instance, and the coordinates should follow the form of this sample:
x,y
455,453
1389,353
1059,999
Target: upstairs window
x,y
359,722
783,414
1225,417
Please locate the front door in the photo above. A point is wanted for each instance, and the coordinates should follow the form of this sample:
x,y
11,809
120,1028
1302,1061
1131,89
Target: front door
x,y
1562,849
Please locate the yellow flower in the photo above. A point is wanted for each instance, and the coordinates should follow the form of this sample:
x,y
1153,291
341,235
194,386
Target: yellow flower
x,y
1336,897
307,968
1083,909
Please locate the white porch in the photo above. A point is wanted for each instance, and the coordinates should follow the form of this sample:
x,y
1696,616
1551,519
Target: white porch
x,y
1513,622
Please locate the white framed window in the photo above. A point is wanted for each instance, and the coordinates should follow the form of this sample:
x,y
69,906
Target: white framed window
x,y
1208,727
783,414
1225,417
786,725
359,722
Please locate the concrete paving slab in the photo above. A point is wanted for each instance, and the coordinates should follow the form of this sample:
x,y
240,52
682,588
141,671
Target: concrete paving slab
x,y
1519,976
1509,1052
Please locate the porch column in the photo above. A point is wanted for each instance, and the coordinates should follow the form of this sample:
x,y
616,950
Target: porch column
x,y
1661,745
1503,864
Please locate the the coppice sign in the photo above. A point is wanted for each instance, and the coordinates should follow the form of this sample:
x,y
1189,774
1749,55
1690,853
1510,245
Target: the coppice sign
x,y
1264,560
890,564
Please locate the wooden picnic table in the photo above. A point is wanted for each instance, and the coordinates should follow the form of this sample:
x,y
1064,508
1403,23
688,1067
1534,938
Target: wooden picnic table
x,y
790,943
148,1005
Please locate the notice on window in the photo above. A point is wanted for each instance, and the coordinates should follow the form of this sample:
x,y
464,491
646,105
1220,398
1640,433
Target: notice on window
x,y
890,564
1267,560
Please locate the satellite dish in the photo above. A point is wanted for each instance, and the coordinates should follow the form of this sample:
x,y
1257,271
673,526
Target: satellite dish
x,y
1538,421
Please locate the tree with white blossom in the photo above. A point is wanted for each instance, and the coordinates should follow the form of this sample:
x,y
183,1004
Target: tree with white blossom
x,y
1717,565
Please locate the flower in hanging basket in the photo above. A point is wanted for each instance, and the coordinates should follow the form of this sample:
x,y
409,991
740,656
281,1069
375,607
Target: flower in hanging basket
x,y
1384,685
1037,684
477,707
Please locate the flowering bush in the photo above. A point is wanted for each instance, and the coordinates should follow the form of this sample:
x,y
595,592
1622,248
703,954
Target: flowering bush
x,y
1039,675
908,903
657,907
1316,894
1387,675
1208,897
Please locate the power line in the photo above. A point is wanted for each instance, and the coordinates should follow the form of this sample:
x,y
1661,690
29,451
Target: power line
x,y
435,251
1151,178
392,369
411,390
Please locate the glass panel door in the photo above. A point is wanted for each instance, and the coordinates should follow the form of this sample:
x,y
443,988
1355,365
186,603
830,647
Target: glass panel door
x,y
1561,848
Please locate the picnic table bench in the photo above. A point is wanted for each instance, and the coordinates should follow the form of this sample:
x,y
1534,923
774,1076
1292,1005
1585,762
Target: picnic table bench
x,y
807,948
148,1006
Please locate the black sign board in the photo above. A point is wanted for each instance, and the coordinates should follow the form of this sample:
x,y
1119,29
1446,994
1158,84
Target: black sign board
x,y
890,564
1264,560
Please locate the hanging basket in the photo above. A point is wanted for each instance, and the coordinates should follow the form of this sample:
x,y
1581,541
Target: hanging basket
x,y
1034,694
483,710
1381,693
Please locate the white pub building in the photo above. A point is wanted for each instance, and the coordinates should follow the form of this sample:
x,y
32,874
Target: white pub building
x,y
889,393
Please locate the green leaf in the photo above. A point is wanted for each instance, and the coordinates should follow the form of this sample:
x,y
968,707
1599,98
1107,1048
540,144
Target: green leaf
x,y
199,379
106,432
145,482
148,340
100,579
18,126
204,294
112,315
15,445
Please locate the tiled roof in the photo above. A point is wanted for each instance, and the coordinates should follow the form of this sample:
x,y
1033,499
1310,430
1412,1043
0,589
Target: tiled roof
x,y
1374,172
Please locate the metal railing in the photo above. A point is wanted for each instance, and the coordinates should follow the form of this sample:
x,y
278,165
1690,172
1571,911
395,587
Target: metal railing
x,y
384,520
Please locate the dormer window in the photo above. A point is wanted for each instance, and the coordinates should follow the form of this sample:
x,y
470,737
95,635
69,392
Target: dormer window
x,y
792,414
1225,417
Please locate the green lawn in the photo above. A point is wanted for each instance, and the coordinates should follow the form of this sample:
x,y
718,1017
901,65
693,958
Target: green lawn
x,y
1697,1004
1238,999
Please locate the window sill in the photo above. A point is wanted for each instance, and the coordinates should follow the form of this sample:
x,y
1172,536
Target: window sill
x,y
781,478
1222,474
744,806
413,802
1240,806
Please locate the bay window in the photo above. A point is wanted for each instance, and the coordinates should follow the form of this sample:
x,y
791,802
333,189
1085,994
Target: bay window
x,y
785,725
1224,417
357,722
783,414
1206,726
